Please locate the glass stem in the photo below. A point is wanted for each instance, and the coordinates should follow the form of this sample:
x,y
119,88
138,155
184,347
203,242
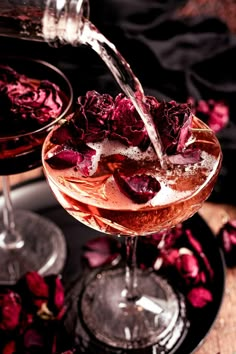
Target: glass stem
x,y
10,238
131,268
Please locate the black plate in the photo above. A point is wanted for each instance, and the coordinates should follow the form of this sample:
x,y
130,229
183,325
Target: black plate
x,y
38,197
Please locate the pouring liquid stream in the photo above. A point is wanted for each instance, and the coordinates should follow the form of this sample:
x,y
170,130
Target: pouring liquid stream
x,y
125,77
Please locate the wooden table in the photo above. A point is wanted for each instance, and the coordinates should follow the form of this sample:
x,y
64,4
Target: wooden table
x,y
222,338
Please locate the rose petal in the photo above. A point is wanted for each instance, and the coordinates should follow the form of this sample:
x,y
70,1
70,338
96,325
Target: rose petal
x,y
187,266
9,347
139,188
227,241
199,297
61,157
95,259
103,244
10,308
187,157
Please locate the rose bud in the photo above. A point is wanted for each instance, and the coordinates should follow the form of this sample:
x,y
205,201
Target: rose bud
x,y
227,241
10,310
34,291
199,296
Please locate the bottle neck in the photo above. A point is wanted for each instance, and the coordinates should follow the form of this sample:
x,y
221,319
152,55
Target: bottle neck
x,y
63,21
53,21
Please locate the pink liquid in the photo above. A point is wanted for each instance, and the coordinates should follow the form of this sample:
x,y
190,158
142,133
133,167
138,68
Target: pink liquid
x,y
97,202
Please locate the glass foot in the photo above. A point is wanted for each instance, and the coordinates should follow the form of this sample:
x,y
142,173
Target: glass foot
x,y
156,317
43,248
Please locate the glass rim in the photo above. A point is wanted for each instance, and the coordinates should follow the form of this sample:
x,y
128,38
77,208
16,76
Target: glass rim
x,y
65,110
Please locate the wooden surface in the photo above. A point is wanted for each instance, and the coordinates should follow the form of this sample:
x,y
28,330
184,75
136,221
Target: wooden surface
x,y
222,337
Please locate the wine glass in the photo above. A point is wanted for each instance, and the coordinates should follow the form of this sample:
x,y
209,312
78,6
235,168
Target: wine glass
x,y
122,190
34,96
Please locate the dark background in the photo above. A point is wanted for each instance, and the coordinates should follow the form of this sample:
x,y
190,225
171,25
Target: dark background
x,y
177,49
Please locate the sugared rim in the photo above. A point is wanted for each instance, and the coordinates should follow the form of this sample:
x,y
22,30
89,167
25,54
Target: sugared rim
x,y
55,70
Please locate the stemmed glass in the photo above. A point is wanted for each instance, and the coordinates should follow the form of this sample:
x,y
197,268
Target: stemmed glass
x,y
28,241
106,185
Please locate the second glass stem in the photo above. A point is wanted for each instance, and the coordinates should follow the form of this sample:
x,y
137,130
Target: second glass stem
x,y
9,237
131,268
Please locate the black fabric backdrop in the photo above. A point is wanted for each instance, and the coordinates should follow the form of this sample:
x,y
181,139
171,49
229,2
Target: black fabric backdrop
x,y
173,57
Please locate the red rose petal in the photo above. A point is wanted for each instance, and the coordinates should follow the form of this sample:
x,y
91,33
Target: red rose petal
x,y
199,297
61,157
139,188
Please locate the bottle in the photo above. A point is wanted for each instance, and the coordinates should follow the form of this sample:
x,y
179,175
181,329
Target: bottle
x,y
53,21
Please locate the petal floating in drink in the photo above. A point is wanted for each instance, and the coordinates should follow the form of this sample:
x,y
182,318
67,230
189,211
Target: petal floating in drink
x,y
62,157
187,157
139,188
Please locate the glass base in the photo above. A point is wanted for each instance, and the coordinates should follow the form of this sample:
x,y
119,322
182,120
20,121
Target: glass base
x,y
157,317
43,248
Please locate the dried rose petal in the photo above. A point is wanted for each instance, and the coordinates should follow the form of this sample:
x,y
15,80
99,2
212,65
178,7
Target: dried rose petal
x,y
9,348
199,297
139,188
33,290
187,157
41,103
219,116
36,103
170,257
66,134
214,113
101,251
61,157
59,296
227,241
34,340
92,115
173,122
85,165
95,259
193,241
126,124
56,301
10,310
187,266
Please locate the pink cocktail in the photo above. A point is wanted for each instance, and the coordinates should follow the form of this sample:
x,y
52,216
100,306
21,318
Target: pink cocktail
x,y
104,171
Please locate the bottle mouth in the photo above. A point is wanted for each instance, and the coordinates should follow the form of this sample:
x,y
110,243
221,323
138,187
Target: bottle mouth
x,y
63,21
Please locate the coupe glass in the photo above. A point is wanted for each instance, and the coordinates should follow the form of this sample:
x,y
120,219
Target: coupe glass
x,y
124,306
27,240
